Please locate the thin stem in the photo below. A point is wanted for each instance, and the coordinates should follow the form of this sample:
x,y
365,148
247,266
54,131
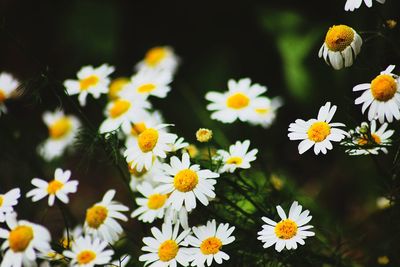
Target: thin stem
x,y
65,222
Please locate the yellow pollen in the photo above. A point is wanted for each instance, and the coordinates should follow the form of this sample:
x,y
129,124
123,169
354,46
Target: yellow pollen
x,y
238,101
88,82
119,107
116,86
168,250
148,140
64,242
383,87
364,140
156,201
339,37
286,229
54,186
146,88
2,96
138,128
155,56
211,245
134,171
60,128
96,215
20,237
85,257
1,200
186,180
319,131
262,111
234,160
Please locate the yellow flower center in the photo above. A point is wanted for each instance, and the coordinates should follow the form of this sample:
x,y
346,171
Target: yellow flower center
x,y
96,215
211,245
64,242
119,107
2,96
339,37
186,180
1,200
135,172
20,238
85,257
286,229
116,86
54,186
168,250
156,201
60,128
146,88
148,140
238,101
319,131
234,160
155,56
364,140
138,128
88,82
383,87
262,111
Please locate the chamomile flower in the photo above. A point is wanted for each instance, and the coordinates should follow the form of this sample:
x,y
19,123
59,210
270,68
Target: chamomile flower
x,y
238,102
7,203
165,248
23,242
101,218
342,45
207,243
116,87
351,5
186,182
62,131
382,96
318,132
87,252
144,176
8,87
152,142
237,157
151,206
160,58
59,187
264,113
90,80
179,144
292,229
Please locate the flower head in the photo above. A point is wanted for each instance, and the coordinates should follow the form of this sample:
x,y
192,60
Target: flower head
x,y
7,203
159,58
352,5
8,89
204,135
237,157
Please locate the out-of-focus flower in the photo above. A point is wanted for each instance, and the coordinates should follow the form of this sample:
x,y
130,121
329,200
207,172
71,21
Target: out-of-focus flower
x,y
264,113
116,87
383,260
179,144
139,177
391,23
8,89
192,150
7,203
237,157
204,135
383,203
160,58
352,5
276,182
70,236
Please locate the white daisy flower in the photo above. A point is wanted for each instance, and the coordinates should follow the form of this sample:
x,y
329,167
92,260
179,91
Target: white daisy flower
x,y
177,216
165,248
62,131
88,252
8,87
116,87
317,132
342,45
179,144
22,242
382,96
101,218
121,262
289,231
186,182
207,243
351,5
152,142
59,187
160,58
264,113
237,103
144,176
7,203
151,206
90,80
237,157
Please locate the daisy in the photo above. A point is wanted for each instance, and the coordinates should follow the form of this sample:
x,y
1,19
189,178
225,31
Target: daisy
x,y
8,87
289,231
179,144
207,243
59,187
144,176
237,157
62,131
7,203
151,206
342,45
382,96
146,120
351,5
90,80
116,87
237,103
152,142
88,252
186,182
101,218
23,241
317,132
160,58
165,248
264,113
